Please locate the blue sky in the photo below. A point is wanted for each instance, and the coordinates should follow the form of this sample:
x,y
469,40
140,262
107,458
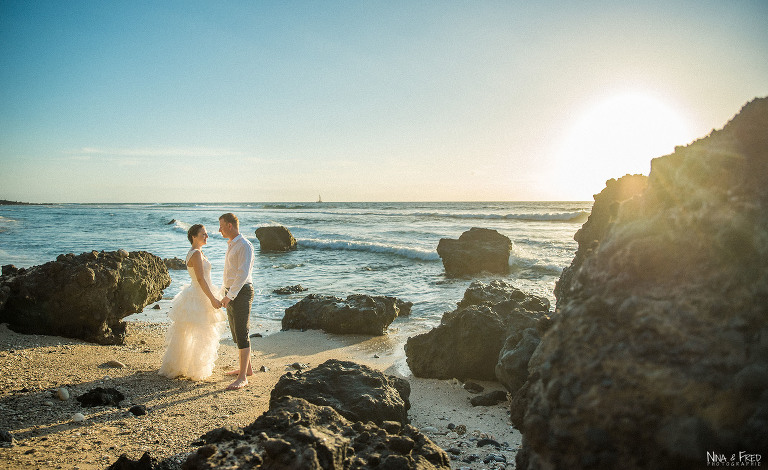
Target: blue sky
x,y
361,101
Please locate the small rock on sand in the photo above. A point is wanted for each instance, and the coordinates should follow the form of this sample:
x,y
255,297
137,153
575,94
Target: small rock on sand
x,y
62,394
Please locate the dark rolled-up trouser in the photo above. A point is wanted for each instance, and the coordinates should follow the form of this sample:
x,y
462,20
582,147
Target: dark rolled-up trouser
x,y
239,315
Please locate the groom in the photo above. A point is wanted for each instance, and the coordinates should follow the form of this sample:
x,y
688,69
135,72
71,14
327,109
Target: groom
x,y
238,263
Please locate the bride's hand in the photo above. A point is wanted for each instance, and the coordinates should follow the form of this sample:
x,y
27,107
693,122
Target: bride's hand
x,y
216,303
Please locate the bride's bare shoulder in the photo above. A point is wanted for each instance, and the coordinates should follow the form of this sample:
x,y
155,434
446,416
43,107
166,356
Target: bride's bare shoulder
x,y
194,256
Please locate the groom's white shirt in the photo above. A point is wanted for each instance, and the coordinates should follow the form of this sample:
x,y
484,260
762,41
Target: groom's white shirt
x,y
238,264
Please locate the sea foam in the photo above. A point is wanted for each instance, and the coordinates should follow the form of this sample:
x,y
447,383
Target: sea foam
x,y
373,247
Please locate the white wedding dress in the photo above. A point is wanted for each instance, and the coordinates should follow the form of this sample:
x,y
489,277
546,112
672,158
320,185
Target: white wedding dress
x,y
192,340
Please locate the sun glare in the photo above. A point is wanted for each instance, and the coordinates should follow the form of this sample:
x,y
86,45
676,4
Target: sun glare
x,y
619,135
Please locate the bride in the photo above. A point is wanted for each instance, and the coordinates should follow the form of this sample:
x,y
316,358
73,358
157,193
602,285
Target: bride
x,y
192,340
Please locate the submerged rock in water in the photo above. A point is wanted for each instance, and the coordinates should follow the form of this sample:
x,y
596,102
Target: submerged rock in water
x,y
175,263
275,238
297,434
84,296
476,250
357,392
358,314
659,354
287,290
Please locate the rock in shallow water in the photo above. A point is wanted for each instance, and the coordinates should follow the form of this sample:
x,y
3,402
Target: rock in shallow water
x,y
476,250
275,238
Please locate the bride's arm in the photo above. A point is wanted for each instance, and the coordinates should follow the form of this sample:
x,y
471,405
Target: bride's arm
x,y
196,261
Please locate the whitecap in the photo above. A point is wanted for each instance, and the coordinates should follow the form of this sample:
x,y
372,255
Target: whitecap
x,y
373,247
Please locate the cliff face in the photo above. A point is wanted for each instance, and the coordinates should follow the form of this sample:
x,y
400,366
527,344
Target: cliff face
x,y
660,351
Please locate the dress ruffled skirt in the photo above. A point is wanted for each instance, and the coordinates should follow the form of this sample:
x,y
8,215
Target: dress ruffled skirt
x,y
192,340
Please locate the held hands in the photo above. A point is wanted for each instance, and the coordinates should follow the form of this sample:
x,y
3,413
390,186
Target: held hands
x,y
225,301
216,303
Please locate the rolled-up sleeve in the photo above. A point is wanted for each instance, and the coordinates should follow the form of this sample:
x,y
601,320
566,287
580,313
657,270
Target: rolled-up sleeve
x,y
241,264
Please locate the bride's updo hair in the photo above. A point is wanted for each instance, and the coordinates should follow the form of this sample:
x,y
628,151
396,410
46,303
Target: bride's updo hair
x,y
193,231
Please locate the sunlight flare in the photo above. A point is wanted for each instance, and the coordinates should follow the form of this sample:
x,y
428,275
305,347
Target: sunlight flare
x,y
617,136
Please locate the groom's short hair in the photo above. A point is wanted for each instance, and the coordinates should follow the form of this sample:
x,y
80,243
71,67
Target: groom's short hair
x,y
230,218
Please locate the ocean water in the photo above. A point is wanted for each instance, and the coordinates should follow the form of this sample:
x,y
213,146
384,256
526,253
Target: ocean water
x,y
344,248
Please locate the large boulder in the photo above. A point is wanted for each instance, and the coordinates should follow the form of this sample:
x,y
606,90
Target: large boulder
x,y
477,250
296,434
469,339
593,231
358,314
356,391
658,357
275,238
84,296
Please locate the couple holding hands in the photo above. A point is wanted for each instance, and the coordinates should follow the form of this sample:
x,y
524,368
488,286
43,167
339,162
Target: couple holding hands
x,y
192,340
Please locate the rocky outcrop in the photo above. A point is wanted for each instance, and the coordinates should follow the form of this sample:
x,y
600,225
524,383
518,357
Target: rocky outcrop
x,y
469,339
275,238
477,250
357,392
604,211
84,296
358,314
296,434
659,353
177,264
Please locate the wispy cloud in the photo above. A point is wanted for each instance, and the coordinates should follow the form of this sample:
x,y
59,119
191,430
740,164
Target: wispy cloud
x,y
157,152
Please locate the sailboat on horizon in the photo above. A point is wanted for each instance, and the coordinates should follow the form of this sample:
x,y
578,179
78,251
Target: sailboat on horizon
x,y
319,199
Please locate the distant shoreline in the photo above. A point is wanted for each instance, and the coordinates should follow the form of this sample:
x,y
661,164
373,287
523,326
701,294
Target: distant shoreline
x,y
5,202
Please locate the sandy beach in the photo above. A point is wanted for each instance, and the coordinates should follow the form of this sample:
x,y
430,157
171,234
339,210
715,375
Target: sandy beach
x,y
179,411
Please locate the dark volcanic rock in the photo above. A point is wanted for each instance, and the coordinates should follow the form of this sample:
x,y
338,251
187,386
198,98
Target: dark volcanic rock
x,y
476,250
7,439
358,314
275,238
9,269
84,296
604,210
287,290
146,462
489,399
468,341
659,353
357,392
101,396
296,434
175,263
515,354
479,293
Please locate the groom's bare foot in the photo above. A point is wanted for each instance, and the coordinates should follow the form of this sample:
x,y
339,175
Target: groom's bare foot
x,y
237,384
237,372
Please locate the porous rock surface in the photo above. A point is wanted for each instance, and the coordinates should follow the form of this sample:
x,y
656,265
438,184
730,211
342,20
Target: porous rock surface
x,y
477,250
275,238
296,434
82,296
356,391
358,314
469,340
659,353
